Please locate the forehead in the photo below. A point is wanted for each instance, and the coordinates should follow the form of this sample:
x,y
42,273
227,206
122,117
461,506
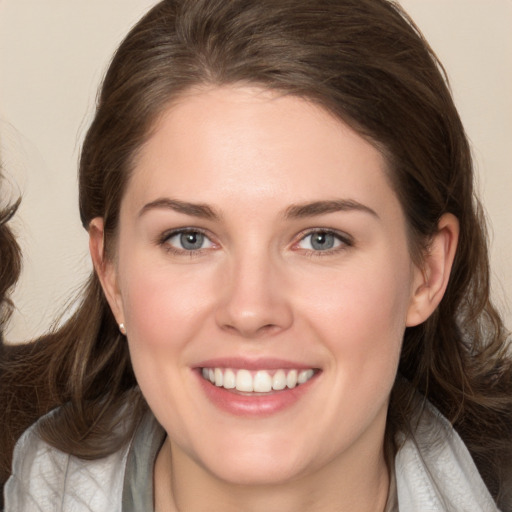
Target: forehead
x,y
254,144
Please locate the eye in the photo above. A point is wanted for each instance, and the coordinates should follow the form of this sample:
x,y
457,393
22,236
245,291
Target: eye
x,y
188,240
323,240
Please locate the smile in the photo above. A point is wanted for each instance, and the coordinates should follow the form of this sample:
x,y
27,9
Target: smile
x,y
259,381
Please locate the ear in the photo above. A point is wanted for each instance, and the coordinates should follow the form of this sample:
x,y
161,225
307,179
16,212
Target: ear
x,y
105,268
430,281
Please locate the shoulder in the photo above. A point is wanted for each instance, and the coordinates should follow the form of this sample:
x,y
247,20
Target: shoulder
x,y
435,471
45,478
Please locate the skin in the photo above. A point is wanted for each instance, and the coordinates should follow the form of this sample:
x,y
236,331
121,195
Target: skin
x,y
256,288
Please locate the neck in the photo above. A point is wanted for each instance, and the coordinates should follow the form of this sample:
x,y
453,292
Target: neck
x,y
357,482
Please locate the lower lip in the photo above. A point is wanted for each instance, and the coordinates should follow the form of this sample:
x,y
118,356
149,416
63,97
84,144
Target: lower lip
x,y
256,405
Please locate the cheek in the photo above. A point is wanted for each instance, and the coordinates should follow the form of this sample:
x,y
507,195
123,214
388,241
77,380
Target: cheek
x,y
163,316
360,314
161,304
163,311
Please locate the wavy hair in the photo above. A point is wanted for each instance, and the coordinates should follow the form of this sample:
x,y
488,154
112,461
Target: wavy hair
x,y
10,263
10,268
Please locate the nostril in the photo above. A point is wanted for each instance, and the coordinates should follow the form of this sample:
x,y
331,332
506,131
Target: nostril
x,y
252,331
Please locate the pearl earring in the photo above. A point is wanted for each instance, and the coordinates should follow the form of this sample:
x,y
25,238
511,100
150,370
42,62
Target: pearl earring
x,y
122,328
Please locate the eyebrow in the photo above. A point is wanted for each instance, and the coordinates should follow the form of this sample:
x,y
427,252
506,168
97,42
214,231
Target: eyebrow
x,y
314,208
295,211
199,210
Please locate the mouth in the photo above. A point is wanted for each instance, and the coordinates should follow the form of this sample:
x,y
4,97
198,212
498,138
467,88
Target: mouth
x,y
255,389
257,381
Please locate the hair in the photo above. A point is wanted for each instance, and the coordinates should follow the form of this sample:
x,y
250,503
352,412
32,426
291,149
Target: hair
x,y
365,62
10,268
10,263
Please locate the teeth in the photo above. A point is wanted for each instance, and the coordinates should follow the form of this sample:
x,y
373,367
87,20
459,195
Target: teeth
x,y
279,380
291,379
244,381
260,381
229,379
218,377
304,376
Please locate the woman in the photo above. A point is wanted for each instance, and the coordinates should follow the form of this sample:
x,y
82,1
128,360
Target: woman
x,y
290,303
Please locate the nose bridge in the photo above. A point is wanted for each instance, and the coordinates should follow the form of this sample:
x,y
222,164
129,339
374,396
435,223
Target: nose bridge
x,y
254,299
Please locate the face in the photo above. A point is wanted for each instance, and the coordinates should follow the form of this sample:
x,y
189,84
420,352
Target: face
x,y
263,276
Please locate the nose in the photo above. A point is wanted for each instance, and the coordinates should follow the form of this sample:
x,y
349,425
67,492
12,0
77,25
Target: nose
x,y
253,301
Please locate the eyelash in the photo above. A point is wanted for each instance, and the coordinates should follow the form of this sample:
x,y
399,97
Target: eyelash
x,y
345,240
163,241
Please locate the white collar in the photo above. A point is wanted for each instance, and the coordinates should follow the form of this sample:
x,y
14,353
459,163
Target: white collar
x,y
435,472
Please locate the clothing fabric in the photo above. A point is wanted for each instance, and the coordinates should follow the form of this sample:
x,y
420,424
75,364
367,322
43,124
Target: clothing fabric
x,y
433,471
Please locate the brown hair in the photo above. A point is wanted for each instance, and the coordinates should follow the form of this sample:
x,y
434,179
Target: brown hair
x,y
10,268
10,263
364,61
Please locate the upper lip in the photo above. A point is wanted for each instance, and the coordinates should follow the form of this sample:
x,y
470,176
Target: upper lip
x,y
262,363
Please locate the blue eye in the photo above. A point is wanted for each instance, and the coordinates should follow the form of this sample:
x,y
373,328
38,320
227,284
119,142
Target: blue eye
x,y
189,240
322,241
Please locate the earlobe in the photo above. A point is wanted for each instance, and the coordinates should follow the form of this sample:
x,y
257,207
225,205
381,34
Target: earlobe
x,y
431,280
105,268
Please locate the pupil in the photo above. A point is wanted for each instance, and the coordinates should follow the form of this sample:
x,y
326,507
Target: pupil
x,y
191,241
322,241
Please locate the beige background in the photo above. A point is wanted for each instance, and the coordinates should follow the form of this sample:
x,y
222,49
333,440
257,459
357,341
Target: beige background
x,y
53,54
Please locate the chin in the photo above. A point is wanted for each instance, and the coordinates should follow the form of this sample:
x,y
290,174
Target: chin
x,y
256,472
258,464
